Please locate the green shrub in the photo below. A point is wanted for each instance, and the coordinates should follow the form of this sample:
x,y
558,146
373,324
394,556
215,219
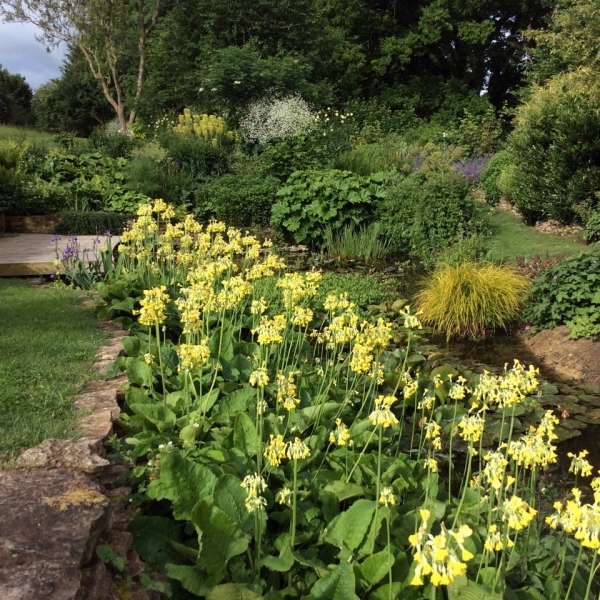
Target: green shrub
x,y
425,213
592,228
489,177
392,154
555,147
311,201
112,144
472,300
195,154
568,294
241,200
91,223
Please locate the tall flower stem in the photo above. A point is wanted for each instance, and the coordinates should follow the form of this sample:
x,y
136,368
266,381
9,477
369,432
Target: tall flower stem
x,y
294,507
575,569
378,486
162,371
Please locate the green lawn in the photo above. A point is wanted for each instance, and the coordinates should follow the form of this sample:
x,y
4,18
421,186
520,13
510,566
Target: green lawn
x,y
511,237
18,134
47,345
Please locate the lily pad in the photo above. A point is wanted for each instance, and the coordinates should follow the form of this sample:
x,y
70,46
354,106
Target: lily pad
x,y
566,434
590,400
547,389
573,424
590,388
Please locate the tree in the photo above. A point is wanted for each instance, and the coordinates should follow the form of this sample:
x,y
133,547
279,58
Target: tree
x,y
15,98
109,33
74,102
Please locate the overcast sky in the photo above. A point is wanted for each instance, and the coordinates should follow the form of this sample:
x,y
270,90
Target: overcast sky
x,y
21,53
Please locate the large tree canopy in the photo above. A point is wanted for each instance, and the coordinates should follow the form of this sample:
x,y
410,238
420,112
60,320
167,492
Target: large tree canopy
x,y
15,98
109,33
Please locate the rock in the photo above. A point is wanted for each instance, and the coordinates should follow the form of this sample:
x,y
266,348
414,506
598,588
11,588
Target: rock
x,y
49,524
78,455
96,583
97,426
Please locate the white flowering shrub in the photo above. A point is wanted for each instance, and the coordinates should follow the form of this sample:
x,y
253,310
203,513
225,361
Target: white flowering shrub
x,y
272,118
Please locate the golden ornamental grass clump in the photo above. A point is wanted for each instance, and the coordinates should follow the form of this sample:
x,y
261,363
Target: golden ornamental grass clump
x,y
471,299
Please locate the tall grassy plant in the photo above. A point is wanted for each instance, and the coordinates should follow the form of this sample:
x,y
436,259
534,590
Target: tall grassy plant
x,y
366,244
471,299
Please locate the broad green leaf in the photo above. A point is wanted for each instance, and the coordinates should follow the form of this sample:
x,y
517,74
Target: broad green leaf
x,y
245,437
383,592
169,357
191,578
138,372
151,540
338,585
131,345
157,414
348,530
232,591
236,402
320,410
376,567
471,591
282,563
221,538
184,482
344,490
229,496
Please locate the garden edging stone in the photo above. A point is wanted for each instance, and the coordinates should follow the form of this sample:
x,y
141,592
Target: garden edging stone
x,y
64,499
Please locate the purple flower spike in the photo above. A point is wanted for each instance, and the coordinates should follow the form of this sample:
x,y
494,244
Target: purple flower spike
x,y
55,238
107,233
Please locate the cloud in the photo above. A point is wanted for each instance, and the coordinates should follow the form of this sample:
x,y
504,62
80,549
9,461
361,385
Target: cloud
x,y
21,53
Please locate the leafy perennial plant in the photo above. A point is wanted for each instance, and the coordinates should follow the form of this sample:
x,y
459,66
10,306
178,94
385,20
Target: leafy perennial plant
x,y
307,454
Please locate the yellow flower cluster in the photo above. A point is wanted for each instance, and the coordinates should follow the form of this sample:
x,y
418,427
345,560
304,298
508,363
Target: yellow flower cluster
x,y
382,415
210,127
270,330
193,356
535,449
471,428
432,433
286,391
254,485
153,306
259,378
410,321
275,450
495,469
340,435
508,389
299,286
370,340
578,518
494,541
517,513
387,497
296,450
579,464
437,556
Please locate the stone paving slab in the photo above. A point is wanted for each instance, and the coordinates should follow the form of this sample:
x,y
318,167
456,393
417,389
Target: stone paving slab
x,y
34,253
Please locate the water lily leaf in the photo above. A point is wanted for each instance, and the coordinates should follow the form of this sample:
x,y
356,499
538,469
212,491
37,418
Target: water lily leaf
x,y
232,591
547,389
338,585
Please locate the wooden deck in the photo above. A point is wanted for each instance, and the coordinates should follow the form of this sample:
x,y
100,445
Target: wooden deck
x,y
30,254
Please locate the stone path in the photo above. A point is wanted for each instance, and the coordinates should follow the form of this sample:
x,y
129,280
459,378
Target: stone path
x,y
62,500
27,254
